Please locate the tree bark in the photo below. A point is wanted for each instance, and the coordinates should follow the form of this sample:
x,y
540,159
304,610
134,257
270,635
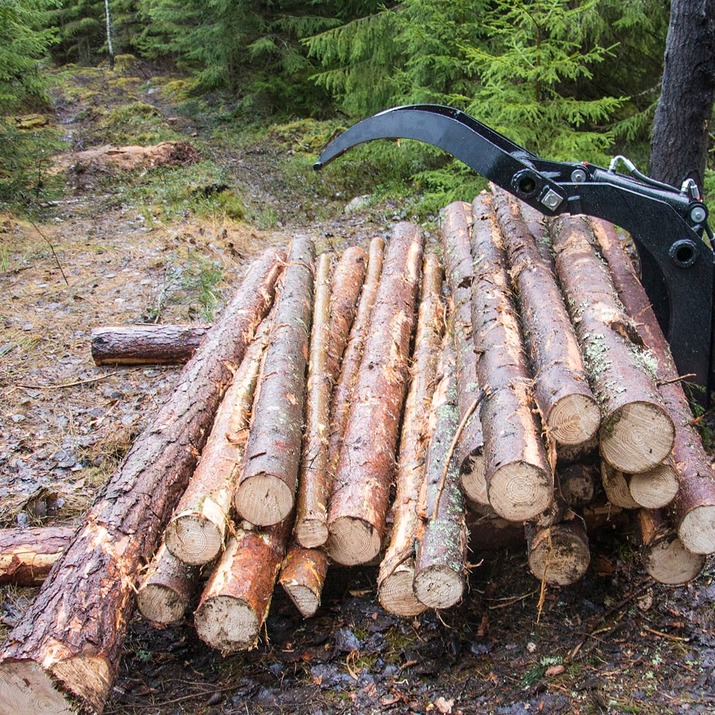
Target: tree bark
x,y
266,489
146,344
66,650
356,519
394,581
27,555
636,432
559,554
456,225
302,578
519,477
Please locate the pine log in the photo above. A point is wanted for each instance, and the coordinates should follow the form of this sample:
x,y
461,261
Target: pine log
x,y
65,652
302,577
27,555
577,483
146,344
636,432
664,556
655,488
164,594
615,485
266,489
394,581
235,601
456,225
196,532
356,519
695,502
568,409
519,477
440,563
311,521
559,554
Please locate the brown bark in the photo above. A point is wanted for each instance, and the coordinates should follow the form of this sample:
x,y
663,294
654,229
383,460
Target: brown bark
x,y
519,478
302,577
167,588
569,411
356,518
559,554
655,488
440,563
196,532
636,431
266,488
577,483
456,225
394,581
695,502
235,601
311,528
146,344
66,649
27,555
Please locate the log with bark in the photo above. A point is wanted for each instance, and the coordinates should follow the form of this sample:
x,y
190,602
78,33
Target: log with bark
x,y
615,485
27,555
356,518
64,654
396,576
519,477
266,488
302,577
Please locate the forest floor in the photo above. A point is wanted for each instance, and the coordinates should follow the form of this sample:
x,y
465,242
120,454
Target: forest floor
x,y
168,246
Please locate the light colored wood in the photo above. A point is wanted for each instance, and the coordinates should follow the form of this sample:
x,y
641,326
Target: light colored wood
x,y
655,488
615,485
302,577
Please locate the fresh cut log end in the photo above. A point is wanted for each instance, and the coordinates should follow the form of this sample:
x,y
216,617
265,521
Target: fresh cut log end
x,y
27,689
670,563
265,499
161,605
697,529
574,419
439,587
616,487
353,541
396,595
559,554
303,597
227,624
638,437
656,488
193,538
519,491
302,577
473,478
311,533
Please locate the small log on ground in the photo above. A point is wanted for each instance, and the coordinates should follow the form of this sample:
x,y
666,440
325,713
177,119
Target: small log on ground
x,y
440,564
27,555
519,477
146,344
636,431
577,483
664,556
655,488
559,554
235,601
165,591
695,502
456,225
394,581
568,409
266,488
65,652
356,519
615,485
302,577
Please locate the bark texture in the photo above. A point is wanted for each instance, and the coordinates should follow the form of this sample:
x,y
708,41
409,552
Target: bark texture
x,y
559,554
302,577
27,555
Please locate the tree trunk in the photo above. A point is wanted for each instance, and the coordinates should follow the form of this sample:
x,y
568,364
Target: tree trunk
x,y
559,554
302,577
519,477
394,581
146,344
27,555
356,519
456,225
681,126
636,431
266,489
655,488
66,650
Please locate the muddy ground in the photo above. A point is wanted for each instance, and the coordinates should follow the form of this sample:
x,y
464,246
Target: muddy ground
x,y
614,643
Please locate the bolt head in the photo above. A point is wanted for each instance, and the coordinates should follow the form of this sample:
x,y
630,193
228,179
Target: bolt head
x,y
698,214
578,176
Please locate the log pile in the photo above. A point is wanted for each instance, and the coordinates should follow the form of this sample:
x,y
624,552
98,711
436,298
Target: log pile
x,y
516,392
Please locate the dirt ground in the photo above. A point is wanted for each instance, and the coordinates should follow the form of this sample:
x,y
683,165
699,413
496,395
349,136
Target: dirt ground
x,y
613,643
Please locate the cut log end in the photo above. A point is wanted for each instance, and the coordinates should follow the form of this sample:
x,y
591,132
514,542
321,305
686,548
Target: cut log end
x,y
311,533
574,419
656,488
160,604
353,541
193,539
305,600
264,500
227,624
670,563
519,491
474,482
27,689
697,530
396,595
559,555
638,437
439,587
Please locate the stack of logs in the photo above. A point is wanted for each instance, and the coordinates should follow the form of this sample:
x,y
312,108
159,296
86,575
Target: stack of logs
x,y
369,409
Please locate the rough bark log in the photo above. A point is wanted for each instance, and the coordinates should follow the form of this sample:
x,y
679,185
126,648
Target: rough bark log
x,y
695,502
577,483
636,431
164,594
196,533
615,485
356,518
394,581
655,488
235,601
559,554
519,478
440,563
266,490
63,656
27,555
569,411
311,521
456,225
302,577
146,344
